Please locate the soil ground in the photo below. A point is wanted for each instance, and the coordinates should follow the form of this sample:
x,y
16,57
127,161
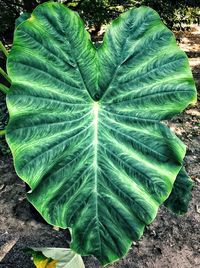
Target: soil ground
x,y
171,241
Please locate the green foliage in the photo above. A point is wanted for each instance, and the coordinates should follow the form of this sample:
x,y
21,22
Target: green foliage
x,y
85,124
175,12
97,12
4,150
3,110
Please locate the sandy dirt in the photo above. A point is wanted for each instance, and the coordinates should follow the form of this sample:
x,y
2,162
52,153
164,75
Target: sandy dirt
x,y
170,242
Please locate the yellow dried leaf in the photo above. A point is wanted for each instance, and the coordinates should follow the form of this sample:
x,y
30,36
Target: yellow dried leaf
x,y
40,263
52,264
45,263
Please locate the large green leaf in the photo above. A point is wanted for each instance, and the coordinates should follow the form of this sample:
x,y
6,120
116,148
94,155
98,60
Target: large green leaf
x,y
85,128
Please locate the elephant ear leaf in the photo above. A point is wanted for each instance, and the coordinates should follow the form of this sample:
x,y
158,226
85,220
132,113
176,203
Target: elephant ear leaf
x,y
180,196
85,124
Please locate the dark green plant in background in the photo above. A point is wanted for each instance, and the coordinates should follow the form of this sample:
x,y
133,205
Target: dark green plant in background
x,y
85,124
4,84
97,12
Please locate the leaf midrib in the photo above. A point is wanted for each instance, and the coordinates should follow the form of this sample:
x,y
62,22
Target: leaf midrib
x,y
96,108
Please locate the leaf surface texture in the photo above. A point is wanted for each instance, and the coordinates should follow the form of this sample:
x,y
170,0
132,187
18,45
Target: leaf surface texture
x,y
85,124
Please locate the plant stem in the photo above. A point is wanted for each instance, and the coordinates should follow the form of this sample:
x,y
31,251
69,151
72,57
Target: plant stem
x,y
5,75
4,89
2,132
3,49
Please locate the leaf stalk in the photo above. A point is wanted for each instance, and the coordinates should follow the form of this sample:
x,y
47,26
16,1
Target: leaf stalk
x,y
4,89
2,132
3,49
4,74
